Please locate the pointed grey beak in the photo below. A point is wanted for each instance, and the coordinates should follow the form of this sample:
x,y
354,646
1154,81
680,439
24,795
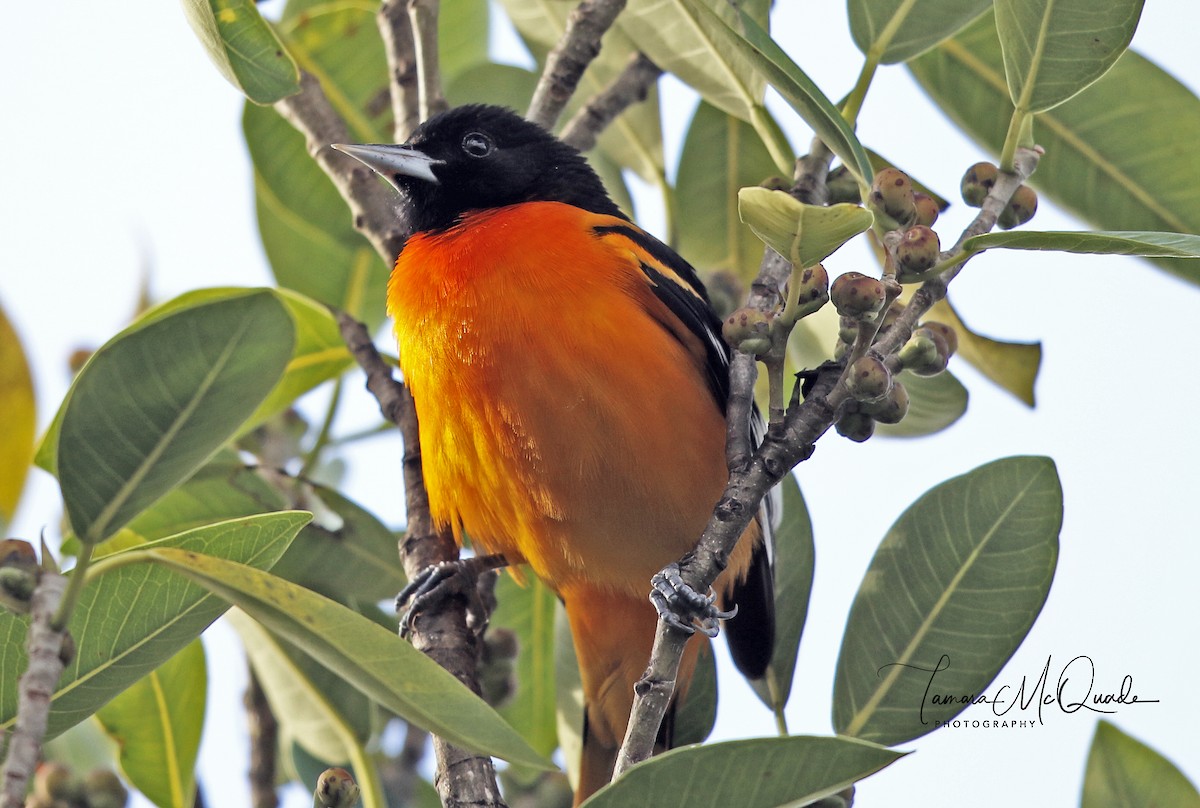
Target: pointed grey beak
x,y
392,162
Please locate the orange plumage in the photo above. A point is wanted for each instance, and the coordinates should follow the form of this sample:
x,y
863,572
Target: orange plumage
x,y
568,416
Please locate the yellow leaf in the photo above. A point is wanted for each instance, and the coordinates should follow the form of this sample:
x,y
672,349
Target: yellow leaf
x,y
19,415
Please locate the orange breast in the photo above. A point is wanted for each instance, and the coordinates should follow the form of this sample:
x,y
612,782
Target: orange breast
x,y
561,423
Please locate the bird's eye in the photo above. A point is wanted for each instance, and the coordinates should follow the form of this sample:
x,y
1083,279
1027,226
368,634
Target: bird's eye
x,y
477,144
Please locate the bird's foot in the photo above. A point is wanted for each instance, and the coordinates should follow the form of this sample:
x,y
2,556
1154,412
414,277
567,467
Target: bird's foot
x,y
438,582
682,606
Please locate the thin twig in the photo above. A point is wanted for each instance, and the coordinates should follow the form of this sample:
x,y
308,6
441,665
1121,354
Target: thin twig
x,y
579,45
395,28
264,737
631,86
34,689
423,15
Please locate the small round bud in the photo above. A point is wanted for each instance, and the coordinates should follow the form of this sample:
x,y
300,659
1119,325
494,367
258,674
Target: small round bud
x,y
892,194
103,789
857,426
1019,209
977,183
54,781
813,291
927,208
868,379
892,408
336,789
945,332
747,330
918,250
856,295
925,353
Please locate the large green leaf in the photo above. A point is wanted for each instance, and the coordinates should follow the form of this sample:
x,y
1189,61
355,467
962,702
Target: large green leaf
x,y
159,399
1119,154
20,419
756,773
934,403
751,42
954,587
893,31
1011,365
1149,245
1122,772
159,615
803,234
244,47
156,724
462,36
1055,48
721,154
795,559
528,611
376,661
315,706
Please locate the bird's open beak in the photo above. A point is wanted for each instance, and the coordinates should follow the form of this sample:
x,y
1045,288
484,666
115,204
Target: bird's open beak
x,y
392,162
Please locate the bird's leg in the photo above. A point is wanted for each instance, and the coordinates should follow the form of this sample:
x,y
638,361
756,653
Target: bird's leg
x,y
682,606
440,581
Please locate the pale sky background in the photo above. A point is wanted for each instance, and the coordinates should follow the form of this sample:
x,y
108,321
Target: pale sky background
x,y
123,148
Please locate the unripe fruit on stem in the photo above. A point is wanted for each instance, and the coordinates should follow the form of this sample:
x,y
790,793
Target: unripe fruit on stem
x,y
55,782
945,332
868,379
856,295
924,354
893,407
892,194
336,789
747,330
926,207
812,292
918,250
1019,209
103,789
977,183
857,426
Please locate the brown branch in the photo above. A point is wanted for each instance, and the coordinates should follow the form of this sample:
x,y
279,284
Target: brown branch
x,y
264,740
463,778
34,689
783,449
372,205
630,87
395,28
579,45
423,15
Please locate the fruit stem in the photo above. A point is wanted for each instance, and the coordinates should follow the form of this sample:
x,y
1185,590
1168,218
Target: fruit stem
x,y
1020,133
858,95
74,587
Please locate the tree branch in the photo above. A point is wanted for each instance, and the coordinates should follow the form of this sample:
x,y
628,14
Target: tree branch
x,y
395,28
630,87
805,422
579,45
423,15
34,689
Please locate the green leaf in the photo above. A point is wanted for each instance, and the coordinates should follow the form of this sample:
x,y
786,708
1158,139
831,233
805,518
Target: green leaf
x,y
244,48
670,34
462,36
955,585
897,30
803,234
1149,245
756,773
568,694
315,706
934,403
528,611
377,662
1124,773
156,724
1119,154
20,419
159,615
159,399
721,154
755,45
697,713
1055,48
795,558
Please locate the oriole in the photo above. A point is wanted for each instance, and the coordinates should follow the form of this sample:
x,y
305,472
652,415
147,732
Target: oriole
x,y
570,383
